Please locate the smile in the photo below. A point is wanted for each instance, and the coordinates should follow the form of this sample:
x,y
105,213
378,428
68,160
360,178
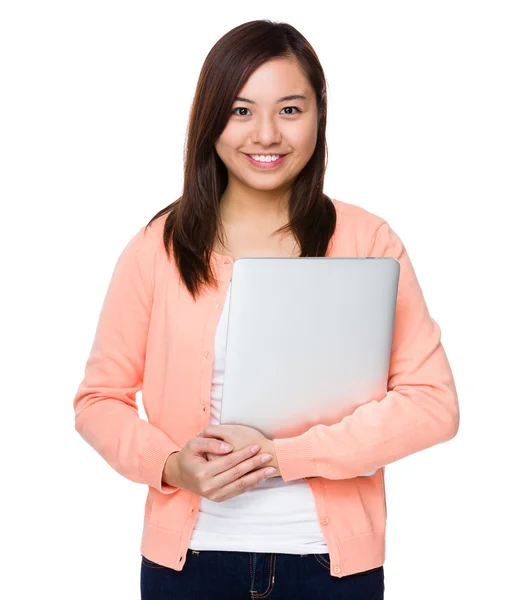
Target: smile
x,y
263,163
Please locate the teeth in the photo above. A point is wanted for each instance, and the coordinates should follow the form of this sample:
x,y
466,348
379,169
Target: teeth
x,y
270,158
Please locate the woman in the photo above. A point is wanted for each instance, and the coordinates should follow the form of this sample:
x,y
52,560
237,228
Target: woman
x,y
218,523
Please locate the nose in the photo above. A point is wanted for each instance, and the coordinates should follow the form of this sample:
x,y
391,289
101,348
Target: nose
x,y
265,132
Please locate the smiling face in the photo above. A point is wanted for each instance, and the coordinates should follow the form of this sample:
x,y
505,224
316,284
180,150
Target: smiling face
x,y
275,114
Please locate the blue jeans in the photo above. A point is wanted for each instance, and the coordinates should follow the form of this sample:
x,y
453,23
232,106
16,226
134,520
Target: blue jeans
x,y
225,575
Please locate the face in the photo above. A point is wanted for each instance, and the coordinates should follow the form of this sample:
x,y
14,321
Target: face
x,y
264,124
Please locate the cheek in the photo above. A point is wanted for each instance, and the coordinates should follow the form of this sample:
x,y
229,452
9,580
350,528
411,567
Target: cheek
x,y
303,142
231,139
229,152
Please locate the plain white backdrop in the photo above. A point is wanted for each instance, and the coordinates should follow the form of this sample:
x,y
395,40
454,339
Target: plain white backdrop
x,y
94,103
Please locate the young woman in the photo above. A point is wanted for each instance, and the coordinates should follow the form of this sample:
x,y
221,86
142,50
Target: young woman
x,y
218,524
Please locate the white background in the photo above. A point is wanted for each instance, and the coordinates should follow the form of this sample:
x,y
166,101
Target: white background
x,y
94,104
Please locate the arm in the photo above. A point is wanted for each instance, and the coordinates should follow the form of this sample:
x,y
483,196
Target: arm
x,y
420,409
106,413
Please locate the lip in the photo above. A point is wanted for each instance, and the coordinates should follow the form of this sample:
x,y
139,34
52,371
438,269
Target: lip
x,y
270,165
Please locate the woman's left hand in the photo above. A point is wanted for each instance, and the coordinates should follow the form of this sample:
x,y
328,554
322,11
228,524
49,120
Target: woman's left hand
x,y
240,436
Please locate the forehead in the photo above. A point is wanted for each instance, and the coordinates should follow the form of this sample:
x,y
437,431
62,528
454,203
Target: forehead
x,y
274,79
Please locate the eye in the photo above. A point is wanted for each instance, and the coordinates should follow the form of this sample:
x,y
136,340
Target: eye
x,y
244,108
239,108
298,109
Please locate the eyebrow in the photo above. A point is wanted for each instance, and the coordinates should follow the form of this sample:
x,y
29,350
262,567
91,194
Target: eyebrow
x,y
282,99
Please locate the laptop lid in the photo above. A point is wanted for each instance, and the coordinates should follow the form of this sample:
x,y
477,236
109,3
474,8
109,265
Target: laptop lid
x,y
308,340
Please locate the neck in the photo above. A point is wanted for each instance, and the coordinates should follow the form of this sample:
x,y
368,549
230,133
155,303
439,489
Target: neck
x,y
257,205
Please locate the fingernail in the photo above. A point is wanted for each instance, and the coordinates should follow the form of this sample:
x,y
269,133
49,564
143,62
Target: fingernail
x,y
266,457
225,446
255,448
270,471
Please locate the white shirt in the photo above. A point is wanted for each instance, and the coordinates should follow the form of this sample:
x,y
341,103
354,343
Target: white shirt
x,y
275,516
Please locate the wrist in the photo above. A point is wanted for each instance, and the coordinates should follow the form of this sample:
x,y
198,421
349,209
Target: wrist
x,y
274,461
171,470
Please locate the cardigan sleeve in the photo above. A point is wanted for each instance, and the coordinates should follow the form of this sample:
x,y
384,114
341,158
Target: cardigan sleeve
x,y
106,413
419,410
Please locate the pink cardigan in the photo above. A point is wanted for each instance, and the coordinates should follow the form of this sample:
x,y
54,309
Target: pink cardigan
x,y
152,336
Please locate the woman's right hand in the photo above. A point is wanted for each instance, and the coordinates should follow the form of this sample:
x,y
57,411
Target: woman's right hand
x,y
220,479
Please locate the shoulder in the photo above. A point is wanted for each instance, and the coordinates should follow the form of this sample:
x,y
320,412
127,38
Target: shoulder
x,y
371,235
356,214
357,224
148,239
141,253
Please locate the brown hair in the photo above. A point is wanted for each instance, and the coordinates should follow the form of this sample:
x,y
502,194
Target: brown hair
x,y
194,219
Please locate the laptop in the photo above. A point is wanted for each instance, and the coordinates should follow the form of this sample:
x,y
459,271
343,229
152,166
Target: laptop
x,y
308,340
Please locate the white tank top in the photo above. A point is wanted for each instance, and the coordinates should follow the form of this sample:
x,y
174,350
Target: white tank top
x,y
273,517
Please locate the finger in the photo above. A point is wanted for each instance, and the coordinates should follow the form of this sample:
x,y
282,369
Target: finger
x,y
203,445
214,431
224,463
248,482
211,456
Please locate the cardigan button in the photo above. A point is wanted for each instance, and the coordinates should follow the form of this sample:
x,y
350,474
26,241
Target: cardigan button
x,y
325,520
336,569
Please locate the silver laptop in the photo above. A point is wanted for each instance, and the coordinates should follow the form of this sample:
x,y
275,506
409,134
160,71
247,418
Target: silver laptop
x,y
308,340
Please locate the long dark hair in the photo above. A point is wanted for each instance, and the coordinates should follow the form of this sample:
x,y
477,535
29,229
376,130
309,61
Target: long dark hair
x,y
193,222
